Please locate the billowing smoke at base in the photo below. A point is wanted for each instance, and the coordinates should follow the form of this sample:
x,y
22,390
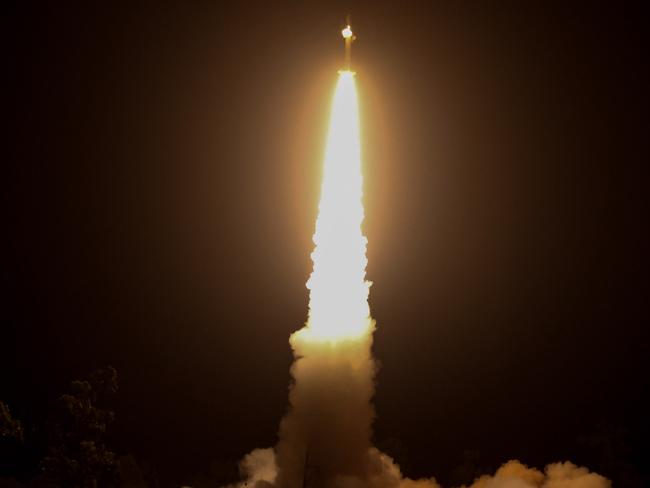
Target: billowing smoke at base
x,y
260,470
325,437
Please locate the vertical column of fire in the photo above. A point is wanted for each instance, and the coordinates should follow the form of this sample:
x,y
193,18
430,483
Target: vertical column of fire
x,y
325,437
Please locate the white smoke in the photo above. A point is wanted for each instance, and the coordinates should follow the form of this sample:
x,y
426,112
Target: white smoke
x,y
259,466
514,474
260,469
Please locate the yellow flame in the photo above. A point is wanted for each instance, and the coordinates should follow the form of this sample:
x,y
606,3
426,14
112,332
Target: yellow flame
x,y
338,299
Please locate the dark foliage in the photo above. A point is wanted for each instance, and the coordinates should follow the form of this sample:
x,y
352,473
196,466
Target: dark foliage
x,y
10,428
77,455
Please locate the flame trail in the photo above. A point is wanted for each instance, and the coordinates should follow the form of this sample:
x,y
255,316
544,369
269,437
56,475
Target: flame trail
x,y
326,434
338,304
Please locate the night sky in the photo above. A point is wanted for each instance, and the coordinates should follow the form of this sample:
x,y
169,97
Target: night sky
x,y
160,184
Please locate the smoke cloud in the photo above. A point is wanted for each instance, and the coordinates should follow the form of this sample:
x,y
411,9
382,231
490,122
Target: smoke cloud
x,y
326,434
260,471
514,474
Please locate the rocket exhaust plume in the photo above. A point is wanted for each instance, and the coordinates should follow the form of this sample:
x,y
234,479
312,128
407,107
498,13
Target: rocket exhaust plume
x,y
325,437
326,434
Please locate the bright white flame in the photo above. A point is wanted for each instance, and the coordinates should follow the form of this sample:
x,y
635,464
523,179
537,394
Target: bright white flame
x,y
338,299
347,32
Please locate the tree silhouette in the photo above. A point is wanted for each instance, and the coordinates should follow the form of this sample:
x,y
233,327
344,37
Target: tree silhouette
x,y
77,456
10,428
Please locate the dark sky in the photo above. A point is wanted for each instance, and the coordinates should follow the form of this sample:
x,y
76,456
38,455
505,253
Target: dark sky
x,y
160,191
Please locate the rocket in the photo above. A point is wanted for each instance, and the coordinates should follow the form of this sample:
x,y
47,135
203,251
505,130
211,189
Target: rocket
x,y
349,38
